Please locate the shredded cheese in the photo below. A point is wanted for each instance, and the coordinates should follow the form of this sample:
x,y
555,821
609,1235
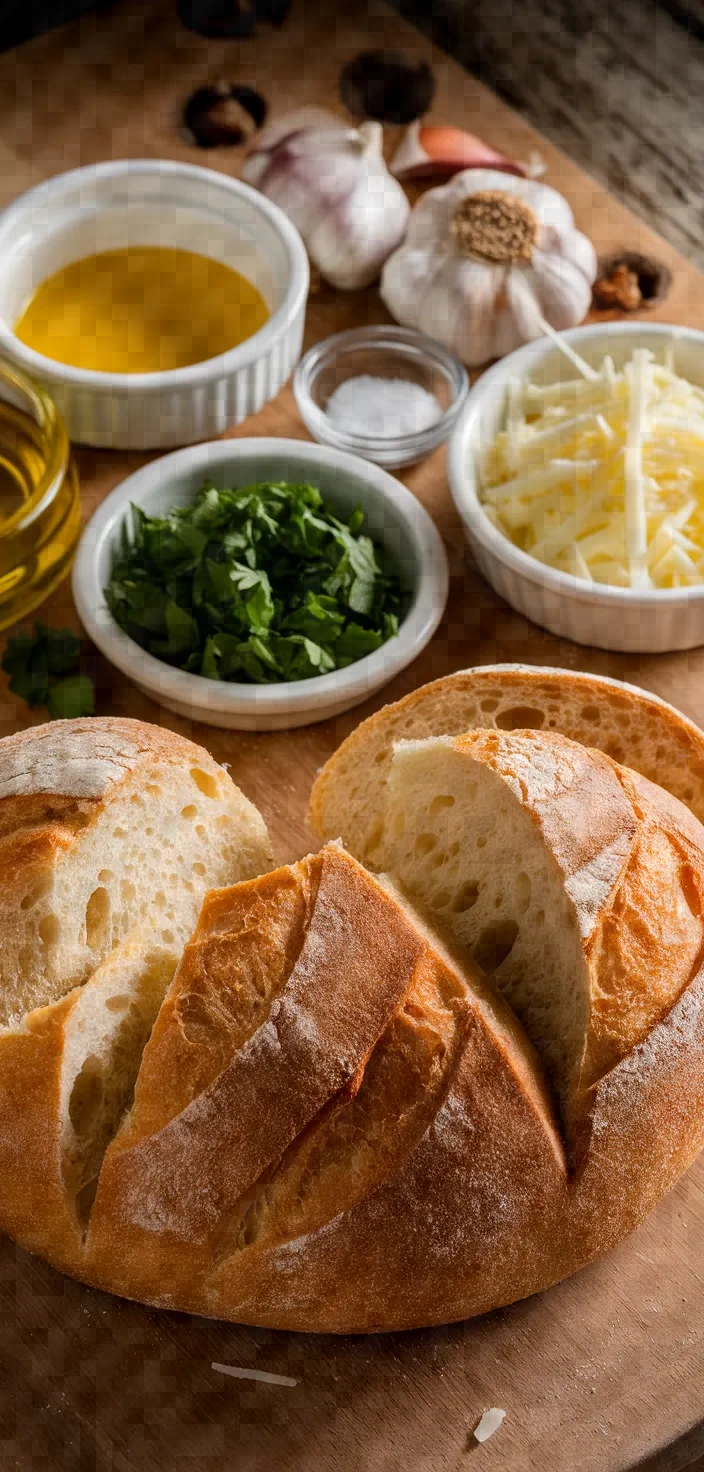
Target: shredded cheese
x,y
636,522
602,476
239,1372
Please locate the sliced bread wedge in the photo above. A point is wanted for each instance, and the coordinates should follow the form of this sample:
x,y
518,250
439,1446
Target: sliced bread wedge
x,y
574,884
634,727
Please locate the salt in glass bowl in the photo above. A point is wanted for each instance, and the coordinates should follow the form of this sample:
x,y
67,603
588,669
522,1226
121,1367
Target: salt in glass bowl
x,y
381,352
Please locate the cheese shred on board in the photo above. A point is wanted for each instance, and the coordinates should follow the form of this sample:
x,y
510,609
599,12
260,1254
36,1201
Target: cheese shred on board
x,y
603,476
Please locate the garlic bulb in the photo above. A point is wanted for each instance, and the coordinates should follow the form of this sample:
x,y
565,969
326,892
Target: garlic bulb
x,y
486,261
333,184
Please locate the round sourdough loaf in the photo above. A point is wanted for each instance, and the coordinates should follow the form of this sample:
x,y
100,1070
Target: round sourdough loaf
x,y
351,1102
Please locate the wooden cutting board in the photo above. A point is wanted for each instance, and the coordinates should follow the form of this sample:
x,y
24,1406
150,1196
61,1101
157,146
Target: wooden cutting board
x,y
604,1372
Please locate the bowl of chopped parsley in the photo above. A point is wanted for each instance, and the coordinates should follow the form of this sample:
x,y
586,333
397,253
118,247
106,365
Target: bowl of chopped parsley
x,y
262,583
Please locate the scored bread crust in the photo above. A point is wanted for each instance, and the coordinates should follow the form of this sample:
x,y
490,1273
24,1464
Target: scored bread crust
x,y
177,1245
330,1119
66,790
342,986
480,1215
636,728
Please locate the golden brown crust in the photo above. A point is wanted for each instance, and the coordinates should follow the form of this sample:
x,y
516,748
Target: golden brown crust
x,y
650,942
463,1227
34,1205
237,961
309,1046
576,798
82,759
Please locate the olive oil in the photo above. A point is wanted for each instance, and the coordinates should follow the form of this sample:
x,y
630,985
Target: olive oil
x,y
141,309
40,517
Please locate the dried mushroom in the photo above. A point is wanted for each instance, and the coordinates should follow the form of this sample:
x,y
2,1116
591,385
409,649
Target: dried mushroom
x,y
223,114
386,86
628,281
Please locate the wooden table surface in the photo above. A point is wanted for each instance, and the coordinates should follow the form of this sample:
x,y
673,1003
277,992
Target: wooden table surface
x,y
602,1373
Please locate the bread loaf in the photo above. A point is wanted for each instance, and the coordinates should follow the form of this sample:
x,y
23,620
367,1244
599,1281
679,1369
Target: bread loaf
x,y
354,1102
636,728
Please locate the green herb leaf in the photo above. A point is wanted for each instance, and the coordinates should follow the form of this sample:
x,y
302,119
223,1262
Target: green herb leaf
x,y
209,665
37,664
256,583
70,698
355,642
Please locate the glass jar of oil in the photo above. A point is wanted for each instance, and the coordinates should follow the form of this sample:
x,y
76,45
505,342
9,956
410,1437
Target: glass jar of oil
x,y
40,517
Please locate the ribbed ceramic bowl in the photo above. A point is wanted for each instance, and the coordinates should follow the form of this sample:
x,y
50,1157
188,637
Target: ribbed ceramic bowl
x,y
608,618
154,202
394,517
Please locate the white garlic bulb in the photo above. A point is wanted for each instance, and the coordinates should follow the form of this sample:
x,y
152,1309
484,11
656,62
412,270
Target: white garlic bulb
x,y
334,185
486,261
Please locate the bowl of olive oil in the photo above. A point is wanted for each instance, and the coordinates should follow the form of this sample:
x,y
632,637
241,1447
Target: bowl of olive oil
x,y
158,303
40,518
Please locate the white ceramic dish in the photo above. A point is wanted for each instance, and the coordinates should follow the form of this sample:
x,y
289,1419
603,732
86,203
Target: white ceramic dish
x,y
609,618
153,202
394,517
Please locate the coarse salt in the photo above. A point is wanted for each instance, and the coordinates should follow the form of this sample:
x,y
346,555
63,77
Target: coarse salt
x,y
382,408
490,1422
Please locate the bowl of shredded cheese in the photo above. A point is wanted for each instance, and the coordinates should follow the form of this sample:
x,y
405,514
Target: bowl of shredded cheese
x,y
578,469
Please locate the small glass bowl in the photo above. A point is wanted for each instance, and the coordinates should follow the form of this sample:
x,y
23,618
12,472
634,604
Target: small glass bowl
x,y
383,352
40,514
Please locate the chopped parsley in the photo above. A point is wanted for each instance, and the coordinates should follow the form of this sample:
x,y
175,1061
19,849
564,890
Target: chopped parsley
x,y
259,585
44,669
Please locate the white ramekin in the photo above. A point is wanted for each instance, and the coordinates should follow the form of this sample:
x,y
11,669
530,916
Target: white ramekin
x,y
394,517
608,618
154,202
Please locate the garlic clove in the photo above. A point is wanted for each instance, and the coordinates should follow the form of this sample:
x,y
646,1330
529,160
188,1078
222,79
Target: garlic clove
x,y
562,289
404,283
444,308
332,182
354,240
428,150
305,130
578,248
429,224
524,305
306,171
